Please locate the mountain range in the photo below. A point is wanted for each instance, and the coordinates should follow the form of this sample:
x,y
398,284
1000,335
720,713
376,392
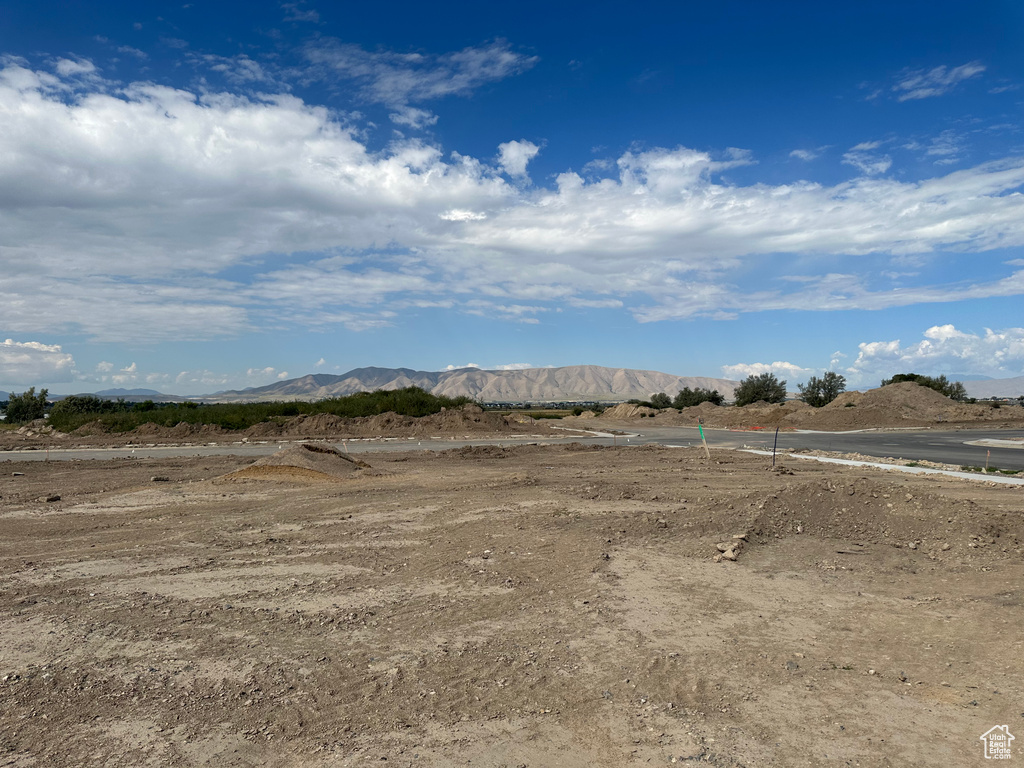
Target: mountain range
x,y
574,383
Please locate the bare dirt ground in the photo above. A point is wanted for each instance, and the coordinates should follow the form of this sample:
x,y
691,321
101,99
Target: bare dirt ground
x,y
469,421
529,606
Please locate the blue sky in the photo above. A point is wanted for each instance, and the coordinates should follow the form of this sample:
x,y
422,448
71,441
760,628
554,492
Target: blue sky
x,y
210,195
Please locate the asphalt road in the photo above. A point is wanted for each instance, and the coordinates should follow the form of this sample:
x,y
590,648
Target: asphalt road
x,y
949,447
957,447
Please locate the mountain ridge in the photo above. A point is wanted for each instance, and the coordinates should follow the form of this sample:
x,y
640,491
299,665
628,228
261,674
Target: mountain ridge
x,y
573,383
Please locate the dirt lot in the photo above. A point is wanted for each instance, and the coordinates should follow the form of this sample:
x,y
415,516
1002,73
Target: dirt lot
x,y
532,606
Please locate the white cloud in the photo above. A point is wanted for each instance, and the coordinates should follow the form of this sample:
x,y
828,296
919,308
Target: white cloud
x,y
413,117
399,79
787,371
457,214
944,350
32,363
104,367
203,379
946,147
320,363
513,156
239,70
926,83
127,375
133,203
805,154
282,375
69,68
864,159
127,49
451,367
294,12
594,303
514,367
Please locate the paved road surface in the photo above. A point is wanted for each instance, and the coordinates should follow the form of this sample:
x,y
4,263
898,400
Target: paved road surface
x,y
952,447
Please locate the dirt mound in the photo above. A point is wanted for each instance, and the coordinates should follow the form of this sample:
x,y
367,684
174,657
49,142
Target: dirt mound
x,y
302,462
628,411
906,404
468,419
95,427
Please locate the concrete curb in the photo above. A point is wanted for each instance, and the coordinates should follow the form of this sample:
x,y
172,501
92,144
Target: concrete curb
x,y
976,476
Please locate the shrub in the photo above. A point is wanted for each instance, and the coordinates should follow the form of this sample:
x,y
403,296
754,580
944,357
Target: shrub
x,y
26,407
411,401
765,387
661,400
954,390
818,392
688,397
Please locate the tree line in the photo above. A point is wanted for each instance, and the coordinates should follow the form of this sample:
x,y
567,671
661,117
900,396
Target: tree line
x,y
75,411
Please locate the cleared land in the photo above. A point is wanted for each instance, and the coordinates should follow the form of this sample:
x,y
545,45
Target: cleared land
x,y
504,607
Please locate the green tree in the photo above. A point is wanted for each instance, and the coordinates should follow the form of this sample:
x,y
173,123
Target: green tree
x,y
954,390
765,387
688,397
26,406
78,404
661,400
819,392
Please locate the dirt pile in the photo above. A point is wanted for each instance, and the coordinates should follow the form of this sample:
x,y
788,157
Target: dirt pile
x,y
305,462
467,420
629,411
897,405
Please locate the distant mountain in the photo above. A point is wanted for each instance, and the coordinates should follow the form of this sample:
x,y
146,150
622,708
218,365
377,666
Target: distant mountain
x,y
996,387
965,377
127,392
575,383
129,395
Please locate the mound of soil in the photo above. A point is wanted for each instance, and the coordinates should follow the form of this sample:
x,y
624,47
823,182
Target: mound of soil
x,y
302,462
897,405
629,411
469,419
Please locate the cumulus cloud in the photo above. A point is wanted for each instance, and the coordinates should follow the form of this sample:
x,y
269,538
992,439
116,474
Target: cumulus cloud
x,y
261,372
944,350
451,367
513,156
134,204
32,363
785,370
320,363
69,68
926,83
514,367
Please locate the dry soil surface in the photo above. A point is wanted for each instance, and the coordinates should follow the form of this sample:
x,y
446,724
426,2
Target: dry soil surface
x,y
531,606
466,422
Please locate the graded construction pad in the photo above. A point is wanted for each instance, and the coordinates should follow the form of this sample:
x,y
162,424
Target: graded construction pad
x,y
306,461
